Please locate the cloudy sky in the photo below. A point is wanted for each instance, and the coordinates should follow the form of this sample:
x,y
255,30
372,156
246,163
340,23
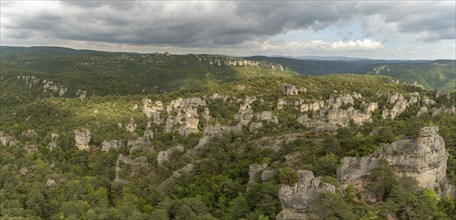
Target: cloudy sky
x,y
372,29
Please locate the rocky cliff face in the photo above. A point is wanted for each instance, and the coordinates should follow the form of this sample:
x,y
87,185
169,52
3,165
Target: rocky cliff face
x,y
424,158
298,200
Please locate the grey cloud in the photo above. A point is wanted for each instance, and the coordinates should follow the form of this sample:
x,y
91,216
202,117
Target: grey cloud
x,y
220,23
430,20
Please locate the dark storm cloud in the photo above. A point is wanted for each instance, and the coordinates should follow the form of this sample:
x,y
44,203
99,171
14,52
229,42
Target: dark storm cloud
x,y
212,23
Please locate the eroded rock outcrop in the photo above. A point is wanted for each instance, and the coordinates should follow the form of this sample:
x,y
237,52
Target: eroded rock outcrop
x,y
82,138
254,169
276,143
140,144
8,140
400,105
298,199
111,145
152,110
165,156
288,89
424,158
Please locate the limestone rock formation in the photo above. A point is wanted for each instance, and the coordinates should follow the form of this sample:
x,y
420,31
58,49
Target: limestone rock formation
x,y
131,127
141,143
110,145
29,133
152,110
183,115
423,110
424,158
288,89
298,200
164,156
315,106
254,169
276,143
400,105
82,138
8,140
148,132
31,148
337,101
267,175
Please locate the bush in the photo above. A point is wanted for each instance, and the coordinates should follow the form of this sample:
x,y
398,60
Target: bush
x,y
288,176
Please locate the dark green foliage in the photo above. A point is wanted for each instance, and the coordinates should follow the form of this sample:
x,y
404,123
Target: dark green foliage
x,y
288,176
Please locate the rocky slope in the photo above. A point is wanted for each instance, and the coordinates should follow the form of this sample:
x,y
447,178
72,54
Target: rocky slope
x,y
424,158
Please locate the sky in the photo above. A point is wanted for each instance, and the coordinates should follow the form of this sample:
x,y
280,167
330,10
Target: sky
x,y
366,29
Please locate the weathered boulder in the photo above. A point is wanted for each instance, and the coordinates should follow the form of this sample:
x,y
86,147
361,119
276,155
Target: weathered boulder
x,y
52,145
148,132
255,126
428,102
423,110
337,101
371,107
7,140
50,182
29,133
141,143
82,138
414,98
31,148
111,145
398,108
443,109
424,158
298,200
254,169
164,156
152,110
317,105
288,89
267,175
276,143
131,127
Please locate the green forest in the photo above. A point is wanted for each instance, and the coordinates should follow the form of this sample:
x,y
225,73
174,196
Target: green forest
x,y
207,174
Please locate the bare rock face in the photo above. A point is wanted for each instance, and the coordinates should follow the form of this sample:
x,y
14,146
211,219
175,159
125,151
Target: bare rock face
x,y
315,106
400,105
288,89
164,156
148,132
29,133
424,158
338,101
423,110
276,143
141,143
267,175
82,138
8,140
110,145
297,200
31,148
131,127
254,169
183,115
428,102
152,110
